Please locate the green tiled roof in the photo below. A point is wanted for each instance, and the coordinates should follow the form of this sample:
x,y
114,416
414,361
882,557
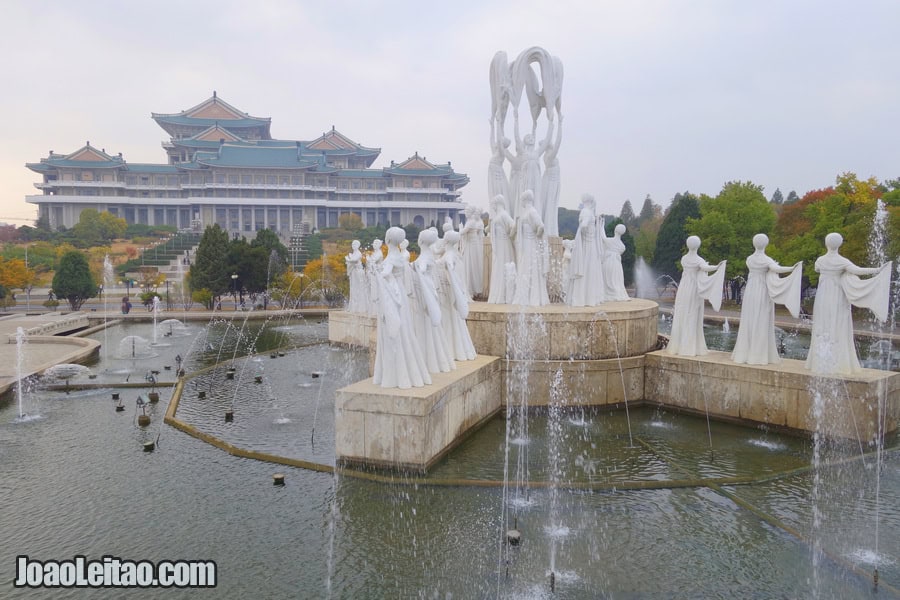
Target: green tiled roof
x,y
223,123
83,164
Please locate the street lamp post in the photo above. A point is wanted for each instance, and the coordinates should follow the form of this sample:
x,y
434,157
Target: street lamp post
x,y
234,289
28,284
168,303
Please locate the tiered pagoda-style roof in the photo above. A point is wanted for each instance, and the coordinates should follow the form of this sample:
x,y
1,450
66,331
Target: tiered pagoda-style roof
x,y
418,165
214,112
85,157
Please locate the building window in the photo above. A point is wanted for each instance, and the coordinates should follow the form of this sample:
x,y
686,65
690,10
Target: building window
x,y
246,179
233,179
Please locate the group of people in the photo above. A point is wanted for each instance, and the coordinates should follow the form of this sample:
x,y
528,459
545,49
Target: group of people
x,y
420,306
831,351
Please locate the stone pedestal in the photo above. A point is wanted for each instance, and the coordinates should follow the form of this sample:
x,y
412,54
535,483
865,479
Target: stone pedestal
x,y
356,330
779,395
411,429
580,382
560,332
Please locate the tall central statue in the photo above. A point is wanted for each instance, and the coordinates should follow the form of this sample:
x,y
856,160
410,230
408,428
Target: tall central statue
x,y
508,82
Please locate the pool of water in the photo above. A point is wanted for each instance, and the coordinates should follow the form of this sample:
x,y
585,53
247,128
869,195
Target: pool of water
x,y
75,481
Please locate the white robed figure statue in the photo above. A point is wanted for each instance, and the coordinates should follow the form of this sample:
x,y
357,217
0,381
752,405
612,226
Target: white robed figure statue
x,y
756,344
373,268
454,302
398,358
696,285
585,287
427,308
472,250
613,275
532,256
503,232
359,285
831,348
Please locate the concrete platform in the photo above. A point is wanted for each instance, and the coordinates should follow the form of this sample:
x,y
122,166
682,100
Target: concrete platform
x,y
411,429
777,395
42,349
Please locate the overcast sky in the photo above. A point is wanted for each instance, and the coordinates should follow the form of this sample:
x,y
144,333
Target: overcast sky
x,y
659,97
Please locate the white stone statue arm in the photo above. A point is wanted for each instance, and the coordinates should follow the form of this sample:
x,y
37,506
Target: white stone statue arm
x,y
510,224
545,143
774,267
553,149
705,266
851,268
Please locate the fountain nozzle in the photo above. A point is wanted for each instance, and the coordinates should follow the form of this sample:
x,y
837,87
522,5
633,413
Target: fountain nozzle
x,y
552,582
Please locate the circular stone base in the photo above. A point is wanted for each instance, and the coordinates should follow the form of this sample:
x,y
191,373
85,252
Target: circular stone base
x,y
560,332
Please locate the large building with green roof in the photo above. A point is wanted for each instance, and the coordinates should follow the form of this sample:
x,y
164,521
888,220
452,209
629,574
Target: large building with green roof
x,y
224,167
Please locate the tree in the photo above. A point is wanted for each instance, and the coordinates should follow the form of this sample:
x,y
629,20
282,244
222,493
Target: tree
x,y
728,223
250,264
73,280
777,198
847,208
313,245
567,222
276,253
14,275
791,197
210,269
326,278
670,241
94,227
350,222
627,215
650,211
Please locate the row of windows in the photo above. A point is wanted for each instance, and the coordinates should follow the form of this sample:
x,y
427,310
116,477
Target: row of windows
x,y
253,179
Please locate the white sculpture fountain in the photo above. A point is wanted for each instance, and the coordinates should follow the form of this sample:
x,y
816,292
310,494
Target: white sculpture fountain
x,y
755,343
585,284
695,287
398,358
832,351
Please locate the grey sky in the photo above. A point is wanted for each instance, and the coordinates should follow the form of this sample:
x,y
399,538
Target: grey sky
x,y
659,96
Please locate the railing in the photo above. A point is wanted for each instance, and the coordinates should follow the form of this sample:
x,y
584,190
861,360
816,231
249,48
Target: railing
x,y
414,190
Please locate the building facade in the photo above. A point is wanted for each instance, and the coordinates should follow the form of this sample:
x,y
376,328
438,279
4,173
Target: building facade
x,y
224,167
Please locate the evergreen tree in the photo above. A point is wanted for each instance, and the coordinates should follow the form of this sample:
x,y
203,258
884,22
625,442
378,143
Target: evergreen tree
x,y
649,211
792,197
73,280
777,198
627,215
672,233
313,244
276,253
210,270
